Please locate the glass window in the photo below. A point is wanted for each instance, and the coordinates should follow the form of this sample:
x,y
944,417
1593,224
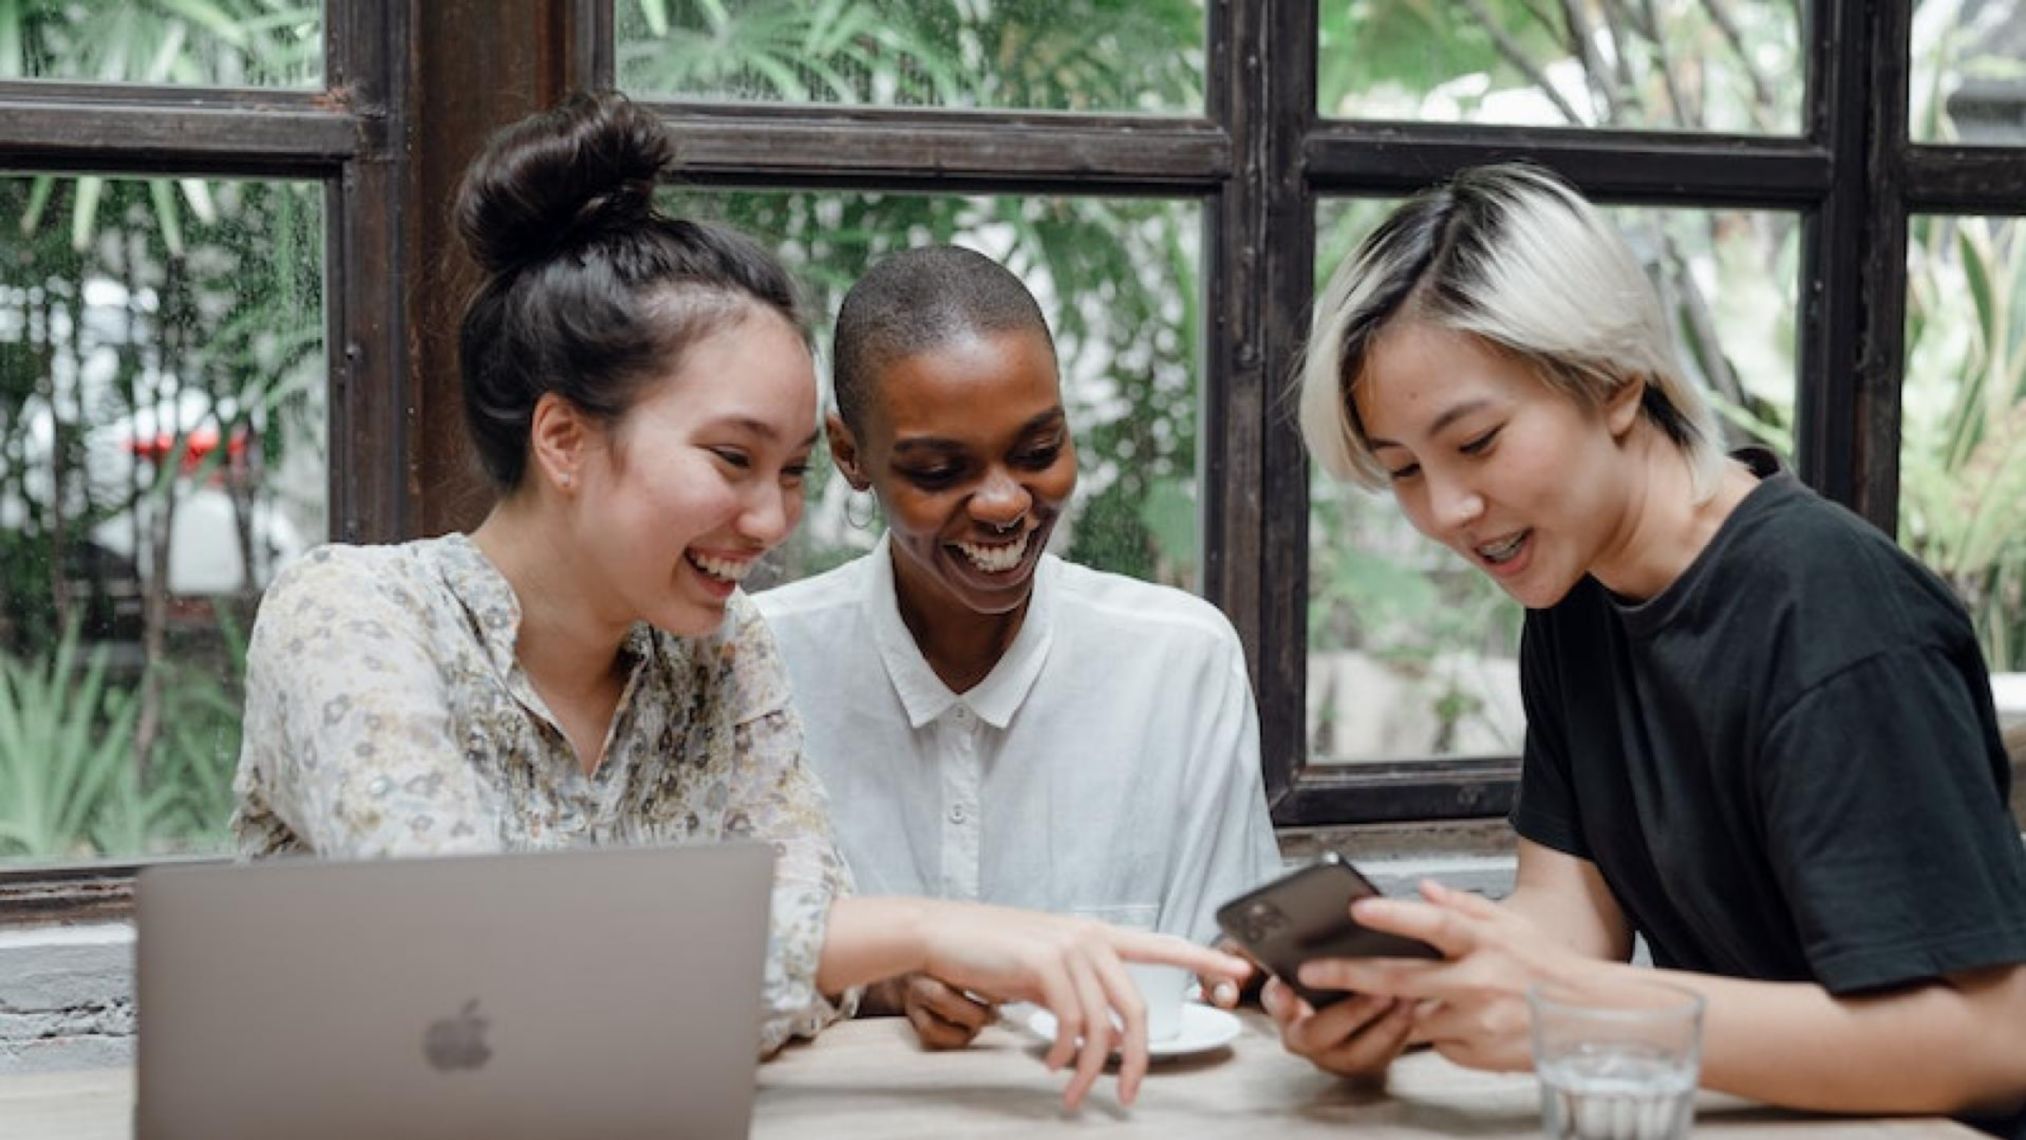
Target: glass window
x,y
1962,460
1669,65
1412,652
1118,281
1968,80
212,43
1050,55
162,453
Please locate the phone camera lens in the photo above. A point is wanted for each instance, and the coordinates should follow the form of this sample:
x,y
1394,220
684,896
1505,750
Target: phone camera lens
x,y
1263,920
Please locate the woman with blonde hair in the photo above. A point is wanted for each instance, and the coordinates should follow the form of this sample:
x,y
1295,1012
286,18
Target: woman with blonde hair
x,y
1760,736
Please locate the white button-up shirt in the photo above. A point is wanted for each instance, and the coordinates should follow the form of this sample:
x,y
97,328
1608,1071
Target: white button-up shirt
x,y
1110,760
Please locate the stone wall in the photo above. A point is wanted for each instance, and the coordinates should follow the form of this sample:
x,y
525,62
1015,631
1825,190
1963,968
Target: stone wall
x,y
66,997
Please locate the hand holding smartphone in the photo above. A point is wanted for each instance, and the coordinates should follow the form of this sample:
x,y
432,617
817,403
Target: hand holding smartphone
x,y
1307,914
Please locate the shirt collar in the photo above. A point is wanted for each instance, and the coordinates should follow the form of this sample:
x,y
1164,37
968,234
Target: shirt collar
x,y
493,608
487,597
922,693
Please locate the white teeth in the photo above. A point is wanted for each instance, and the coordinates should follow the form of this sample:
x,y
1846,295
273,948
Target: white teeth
x,y
731,570
1496,552
995,559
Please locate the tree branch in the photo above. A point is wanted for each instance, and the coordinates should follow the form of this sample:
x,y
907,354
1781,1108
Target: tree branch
x,y
1762,87
1703,342
1685,116
1510,49
1583,41
1621,63
1541,16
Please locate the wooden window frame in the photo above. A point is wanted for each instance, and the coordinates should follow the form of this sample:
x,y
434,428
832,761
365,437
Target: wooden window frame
x,y
399,120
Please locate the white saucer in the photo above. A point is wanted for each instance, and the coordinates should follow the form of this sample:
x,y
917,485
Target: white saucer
x,y
1204,1028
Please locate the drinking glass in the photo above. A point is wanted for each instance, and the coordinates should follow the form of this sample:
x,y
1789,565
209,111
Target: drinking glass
x,y
1616,1060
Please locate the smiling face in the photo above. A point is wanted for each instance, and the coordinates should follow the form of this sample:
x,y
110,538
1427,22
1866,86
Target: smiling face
x,y
1484,457
967,447
702,476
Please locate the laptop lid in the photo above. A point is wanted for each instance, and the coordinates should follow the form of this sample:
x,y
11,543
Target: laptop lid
x,y
603,992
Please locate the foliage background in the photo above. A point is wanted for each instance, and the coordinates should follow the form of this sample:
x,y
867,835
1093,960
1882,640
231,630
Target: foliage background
x,y
161,387
180,307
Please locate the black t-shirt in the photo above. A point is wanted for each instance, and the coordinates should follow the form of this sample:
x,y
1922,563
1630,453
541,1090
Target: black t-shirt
x,y
1786,766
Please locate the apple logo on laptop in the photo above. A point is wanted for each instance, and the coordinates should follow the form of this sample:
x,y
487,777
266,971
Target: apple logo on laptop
x,y
457,1042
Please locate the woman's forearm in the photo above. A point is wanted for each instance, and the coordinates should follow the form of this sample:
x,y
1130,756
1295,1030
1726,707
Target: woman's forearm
x,y
1946,1047
870,939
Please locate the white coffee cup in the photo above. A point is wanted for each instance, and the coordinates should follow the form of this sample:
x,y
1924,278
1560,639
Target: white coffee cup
x,y
1161,988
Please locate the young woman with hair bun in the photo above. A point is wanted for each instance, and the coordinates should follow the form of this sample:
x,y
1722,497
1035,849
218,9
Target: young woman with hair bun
x,y
582,669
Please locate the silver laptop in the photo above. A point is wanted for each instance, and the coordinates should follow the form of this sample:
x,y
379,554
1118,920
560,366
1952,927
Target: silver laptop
x,y
597,992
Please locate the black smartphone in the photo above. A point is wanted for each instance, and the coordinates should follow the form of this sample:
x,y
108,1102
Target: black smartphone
x,y
1307,914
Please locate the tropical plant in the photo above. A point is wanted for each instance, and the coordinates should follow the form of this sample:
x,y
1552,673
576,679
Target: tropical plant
x,y
1059,55
1963,399
160,342
224,43
1963,427
65,749
1119,276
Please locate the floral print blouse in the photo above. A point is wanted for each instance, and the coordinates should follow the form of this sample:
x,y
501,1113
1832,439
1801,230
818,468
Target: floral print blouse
x,y
386,715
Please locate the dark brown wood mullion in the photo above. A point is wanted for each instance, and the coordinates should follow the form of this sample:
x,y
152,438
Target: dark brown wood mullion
x,y
1442,788
1700,170
1836,251
67,894
877,148
488,63
1256,502
1881,359
597,47
89,130
1983,180
1227,266
371,497
1227,439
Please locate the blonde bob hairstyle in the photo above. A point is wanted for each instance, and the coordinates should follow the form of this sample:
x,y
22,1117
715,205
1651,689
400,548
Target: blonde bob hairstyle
x,y
1511,255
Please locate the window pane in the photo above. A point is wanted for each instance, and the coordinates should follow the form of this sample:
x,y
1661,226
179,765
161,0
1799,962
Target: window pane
x,y
162,428
215,43
1117,279
1968,82
1051,55
1962,459
1669,65
1414,653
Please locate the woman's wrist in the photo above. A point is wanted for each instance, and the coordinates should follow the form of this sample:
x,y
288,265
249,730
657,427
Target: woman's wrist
x,y
871,939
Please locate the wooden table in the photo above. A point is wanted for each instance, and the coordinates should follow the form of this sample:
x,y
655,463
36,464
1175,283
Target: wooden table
x,y
868,1079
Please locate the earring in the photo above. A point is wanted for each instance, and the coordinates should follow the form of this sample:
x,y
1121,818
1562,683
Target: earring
x,y
565,479
855,498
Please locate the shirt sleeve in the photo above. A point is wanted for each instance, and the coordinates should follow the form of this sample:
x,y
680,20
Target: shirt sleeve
x,y
1887,829
777,798
1228,845
1546,809
347,743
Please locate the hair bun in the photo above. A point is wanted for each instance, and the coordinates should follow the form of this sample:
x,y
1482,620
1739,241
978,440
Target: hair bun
x,y
557,180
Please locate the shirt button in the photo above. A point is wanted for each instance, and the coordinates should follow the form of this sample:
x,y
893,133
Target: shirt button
x,y
963,715
958,814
